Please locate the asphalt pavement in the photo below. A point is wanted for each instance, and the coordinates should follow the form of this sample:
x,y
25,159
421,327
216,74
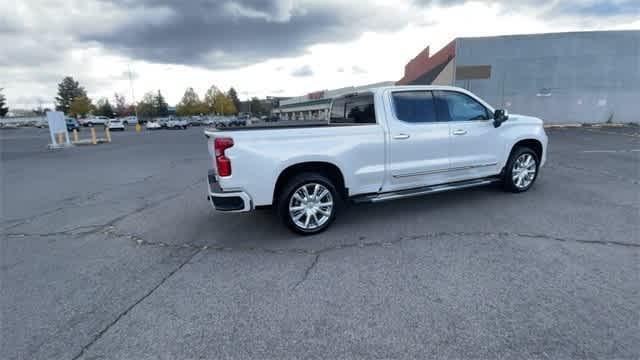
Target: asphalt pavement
x,y
112,252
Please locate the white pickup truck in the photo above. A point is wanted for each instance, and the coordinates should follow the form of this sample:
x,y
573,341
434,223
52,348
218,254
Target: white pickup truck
x,y
384,144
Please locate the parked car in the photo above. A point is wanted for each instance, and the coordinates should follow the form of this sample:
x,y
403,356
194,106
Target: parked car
x,y
384,144
116,124
97,120
129,120
153,125
72,124
177,123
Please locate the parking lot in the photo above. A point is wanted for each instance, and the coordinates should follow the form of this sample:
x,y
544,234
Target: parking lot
x,y
112,251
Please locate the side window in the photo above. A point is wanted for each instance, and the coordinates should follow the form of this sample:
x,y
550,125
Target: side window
x,y
454,106
353,110
414,106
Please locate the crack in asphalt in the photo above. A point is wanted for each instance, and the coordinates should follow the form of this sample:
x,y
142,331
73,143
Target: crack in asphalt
x,y
101,227
129,308
140,241
307,271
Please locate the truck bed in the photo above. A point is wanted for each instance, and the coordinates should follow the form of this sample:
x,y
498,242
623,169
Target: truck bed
x,y
282,125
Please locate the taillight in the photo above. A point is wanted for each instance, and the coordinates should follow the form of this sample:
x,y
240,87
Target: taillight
x,y
223,164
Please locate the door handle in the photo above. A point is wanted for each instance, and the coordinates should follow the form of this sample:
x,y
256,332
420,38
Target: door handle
x,y
401,136
459,132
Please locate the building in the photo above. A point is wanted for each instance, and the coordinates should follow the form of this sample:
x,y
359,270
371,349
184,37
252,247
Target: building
x,y
579,77
316,105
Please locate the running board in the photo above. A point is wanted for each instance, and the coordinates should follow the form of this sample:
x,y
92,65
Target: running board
x,y
394,195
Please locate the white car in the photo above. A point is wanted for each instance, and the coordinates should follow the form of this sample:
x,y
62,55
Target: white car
x,y
384,144
129,120
97,120
177,123
116,124
153,125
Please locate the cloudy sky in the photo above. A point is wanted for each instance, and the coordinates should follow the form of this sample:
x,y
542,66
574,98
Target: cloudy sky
x,y
261,47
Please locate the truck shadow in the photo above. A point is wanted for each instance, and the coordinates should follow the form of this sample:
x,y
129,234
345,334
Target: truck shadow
x,y
355,223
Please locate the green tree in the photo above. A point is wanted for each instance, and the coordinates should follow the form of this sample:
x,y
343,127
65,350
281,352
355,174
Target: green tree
x,y
160,105
3,105
233,95
80,106
145,107
256,106
68,89
104,108
190,104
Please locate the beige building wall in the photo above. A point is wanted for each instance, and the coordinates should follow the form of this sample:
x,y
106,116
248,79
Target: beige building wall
x,y
446,75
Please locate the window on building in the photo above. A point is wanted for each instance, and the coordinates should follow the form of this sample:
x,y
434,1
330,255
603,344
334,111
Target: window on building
x,y
455,106
353,110
414,106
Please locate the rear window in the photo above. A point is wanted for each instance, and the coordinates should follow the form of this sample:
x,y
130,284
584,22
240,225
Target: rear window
x,y
357,109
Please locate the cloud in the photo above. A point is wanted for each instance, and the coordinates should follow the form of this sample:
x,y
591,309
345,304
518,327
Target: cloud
x,y
231,34
357,70
302,71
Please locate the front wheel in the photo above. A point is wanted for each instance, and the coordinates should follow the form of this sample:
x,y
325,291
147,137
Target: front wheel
x,y
308,203
521,170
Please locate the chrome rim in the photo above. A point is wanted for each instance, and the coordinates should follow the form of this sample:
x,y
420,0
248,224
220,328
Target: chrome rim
x,y
524,171
311,206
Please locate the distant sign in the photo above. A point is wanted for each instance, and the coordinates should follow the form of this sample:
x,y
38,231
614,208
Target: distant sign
x,y
316,95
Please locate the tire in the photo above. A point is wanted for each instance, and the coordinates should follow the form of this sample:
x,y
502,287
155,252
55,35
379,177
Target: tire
x,y
90,124
522,160
292,196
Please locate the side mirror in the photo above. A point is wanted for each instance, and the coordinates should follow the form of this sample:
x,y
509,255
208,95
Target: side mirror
x,y
500,116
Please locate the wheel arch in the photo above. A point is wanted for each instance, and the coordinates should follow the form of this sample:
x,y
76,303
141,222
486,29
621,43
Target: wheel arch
x,y
328,169
533,144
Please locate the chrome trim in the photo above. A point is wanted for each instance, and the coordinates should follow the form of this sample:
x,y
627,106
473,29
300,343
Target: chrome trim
x,y
401,194
444,170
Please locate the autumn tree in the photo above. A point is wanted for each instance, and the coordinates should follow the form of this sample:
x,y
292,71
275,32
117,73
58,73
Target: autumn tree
x,y
209,99
68,90
80,106
190,104
145,107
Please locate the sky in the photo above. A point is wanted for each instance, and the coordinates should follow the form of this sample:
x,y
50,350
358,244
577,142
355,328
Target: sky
x,y
260,47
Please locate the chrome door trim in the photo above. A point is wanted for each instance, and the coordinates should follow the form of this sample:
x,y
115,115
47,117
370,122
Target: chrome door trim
x,y
398,176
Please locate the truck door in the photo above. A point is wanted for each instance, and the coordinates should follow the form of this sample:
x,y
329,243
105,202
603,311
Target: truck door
x,y
474,142
418,144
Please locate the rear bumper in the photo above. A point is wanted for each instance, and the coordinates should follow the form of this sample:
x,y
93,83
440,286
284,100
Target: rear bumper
x,y
226,201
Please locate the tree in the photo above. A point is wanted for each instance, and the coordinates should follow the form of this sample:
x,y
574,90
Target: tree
x,y
233,95
120,105
145,107
256,106
223,104
190,104
68,89
209,99
160,105
3,105
80,106
104,108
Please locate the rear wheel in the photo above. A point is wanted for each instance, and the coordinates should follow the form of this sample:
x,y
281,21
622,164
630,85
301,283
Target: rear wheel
x,y
521,170
308,203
